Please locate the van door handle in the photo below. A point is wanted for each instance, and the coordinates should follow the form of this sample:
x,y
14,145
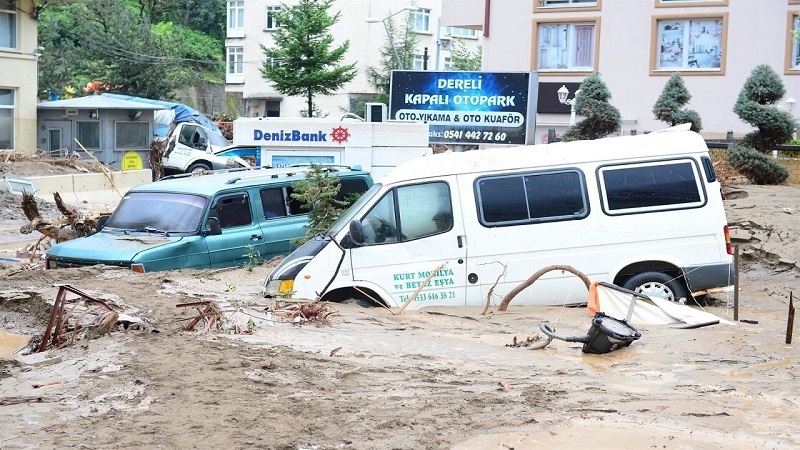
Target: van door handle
x,y
256,237
460,241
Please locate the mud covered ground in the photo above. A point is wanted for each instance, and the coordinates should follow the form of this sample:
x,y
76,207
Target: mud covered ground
x,y
434,378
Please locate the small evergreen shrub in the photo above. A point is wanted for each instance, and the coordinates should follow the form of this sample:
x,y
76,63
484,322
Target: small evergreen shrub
x,y
601,117
756,166
669,107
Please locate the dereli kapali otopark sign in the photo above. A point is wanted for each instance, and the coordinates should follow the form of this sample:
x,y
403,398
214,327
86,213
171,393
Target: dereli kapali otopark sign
x,y
467,107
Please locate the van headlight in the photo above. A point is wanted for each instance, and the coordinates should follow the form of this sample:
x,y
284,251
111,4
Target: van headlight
x,y
276,286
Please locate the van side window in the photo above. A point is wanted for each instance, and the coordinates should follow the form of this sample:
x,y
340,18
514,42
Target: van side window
x,y
273,203
525,198
188,135
232,210
650,186
410,212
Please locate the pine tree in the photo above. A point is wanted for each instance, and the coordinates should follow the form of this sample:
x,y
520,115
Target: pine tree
x,y
669,107
463,59
317,194
601,117
756,106
304,60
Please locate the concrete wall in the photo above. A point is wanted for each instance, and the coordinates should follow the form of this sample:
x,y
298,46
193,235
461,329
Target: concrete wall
x,y
90,188
793,164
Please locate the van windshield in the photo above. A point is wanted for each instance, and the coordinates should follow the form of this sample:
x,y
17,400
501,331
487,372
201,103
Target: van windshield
x,y
344,220
161,211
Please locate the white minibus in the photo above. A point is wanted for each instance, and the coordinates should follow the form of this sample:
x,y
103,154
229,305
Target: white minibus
x,y
643,212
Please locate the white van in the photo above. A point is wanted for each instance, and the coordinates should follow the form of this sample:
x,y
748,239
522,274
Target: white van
x,y
643,212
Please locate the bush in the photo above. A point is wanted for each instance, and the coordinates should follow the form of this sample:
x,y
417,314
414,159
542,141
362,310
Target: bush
x,y
601,117
669,107
756,166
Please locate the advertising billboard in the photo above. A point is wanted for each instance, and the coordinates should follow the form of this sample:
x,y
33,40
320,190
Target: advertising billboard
x,y
467,107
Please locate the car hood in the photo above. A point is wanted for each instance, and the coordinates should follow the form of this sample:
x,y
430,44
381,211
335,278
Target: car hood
x,y
109,247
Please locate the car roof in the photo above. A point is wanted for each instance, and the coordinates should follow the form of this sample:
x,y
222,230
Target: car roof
x,y
217,181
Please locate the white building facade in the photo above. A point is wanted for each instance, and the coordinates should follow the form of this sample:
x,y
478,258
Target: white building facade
x,y
251,24
636,45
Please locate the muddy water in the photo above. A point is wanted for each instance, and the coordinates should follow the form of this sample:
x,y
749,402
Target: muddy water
x,y
10,343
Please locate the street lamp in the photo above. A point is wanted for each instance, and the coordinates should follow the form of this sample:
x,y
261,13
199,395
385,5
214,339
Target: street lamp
x,y
790,102
563,93
386,27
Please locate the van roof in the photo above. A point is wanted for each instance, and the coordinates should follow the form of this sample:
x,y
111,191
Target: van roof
x,y
214,182
667,142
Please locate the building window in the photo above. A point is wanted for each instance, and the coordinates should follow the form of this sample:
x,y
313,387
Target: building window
x,y
572,5
460,32
566,47
6,119
272,20
8,23
418,63
793,46
420,20
235,61
235,18
89,134
448,63
132,135
683,3
689,44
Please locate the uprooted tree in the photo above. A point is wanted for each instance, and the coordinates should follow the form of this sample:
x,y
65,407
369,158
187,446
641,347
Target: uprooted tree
x,y
72,225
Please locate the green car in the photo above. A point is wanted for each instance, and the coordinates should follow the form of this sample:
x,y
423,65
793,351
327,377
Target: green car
x,y
211,221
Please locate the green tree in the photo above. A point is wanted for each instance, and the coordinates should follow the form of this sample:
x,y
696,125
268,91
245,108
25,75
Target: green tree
x,y
405,42
317,194
592,102
304,60
756,105
464,59
117,43
669,107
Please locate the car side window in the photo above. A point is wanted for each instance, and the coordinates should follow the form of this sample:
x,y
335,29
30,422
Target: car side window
x,y
273,202
232,210
188,133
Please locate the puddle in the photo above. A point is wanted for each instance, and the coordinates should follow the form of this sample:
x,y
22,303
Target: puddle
x,y
10,343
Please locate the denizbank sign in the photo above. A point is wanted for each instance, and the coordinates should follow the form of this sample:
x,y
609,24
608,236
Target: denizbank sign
x,y
302,133
467,107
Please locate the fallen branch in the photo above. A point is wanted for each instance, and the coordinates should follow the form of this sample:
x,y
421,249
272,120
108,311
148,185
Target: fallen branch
x,y
16,400
421,286
491,290
513,293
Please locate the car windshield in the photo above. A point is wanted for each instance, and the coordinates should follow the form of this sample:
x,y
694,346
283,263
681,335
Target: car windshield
x,y
344,220
217,139
152,212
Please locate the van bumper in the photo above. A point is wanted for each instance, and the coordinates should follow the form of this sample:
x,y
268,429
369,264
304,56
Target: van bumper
x,y
710,276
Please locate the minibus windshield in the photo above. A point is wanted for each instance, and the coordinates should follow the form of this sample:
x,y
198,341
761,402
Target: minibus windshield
x,y
344,220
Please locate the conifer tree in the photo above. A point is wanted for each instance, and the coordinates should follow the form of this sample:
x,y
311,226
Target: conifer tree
x,y
601,117
669,107
405,42
303,60
756,105
317,194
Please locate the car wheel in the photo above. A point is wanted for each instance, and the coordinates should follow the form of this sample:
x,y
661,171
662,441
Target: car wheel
x,y
658,284
198,168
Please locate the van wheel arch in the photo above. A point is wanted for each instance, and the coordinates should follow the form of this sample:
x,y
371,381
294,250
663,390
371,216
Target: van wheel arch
x,y
199,166
365,296
659,276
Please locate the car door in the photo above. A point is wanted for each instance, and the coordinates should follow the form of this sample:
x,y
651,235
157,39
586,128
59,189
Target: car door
x,y
412,233
240,230
280,223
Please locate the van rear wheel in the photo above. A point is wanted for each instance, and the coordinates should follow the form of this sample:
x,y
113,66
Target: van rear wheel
x,y
657,284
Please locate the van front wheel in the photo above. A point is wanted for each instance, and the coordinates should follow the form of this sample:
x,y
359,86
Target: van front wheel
x,y
198,168
657,284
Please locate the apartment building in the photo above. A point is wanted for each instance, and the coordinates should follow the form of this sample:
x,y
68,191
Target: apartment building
x,y
251,24
636,45
18,78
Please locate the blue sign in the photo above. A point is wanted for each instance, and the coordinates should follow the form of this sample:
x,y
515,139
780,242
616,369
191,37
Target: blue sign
x,y
467,107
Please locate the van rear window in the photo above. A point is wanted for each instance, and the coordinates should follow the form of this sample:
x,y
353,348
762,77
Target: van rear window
x,y
527,198
650,187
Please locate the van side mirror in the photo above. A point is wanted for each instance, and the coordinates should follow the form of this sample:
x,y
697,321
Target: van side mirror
x,y
213,227
356,232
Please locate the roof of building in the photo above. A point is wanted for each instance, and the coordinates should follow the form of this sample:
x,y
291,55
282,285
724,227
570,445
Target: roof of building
x,y
97,102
